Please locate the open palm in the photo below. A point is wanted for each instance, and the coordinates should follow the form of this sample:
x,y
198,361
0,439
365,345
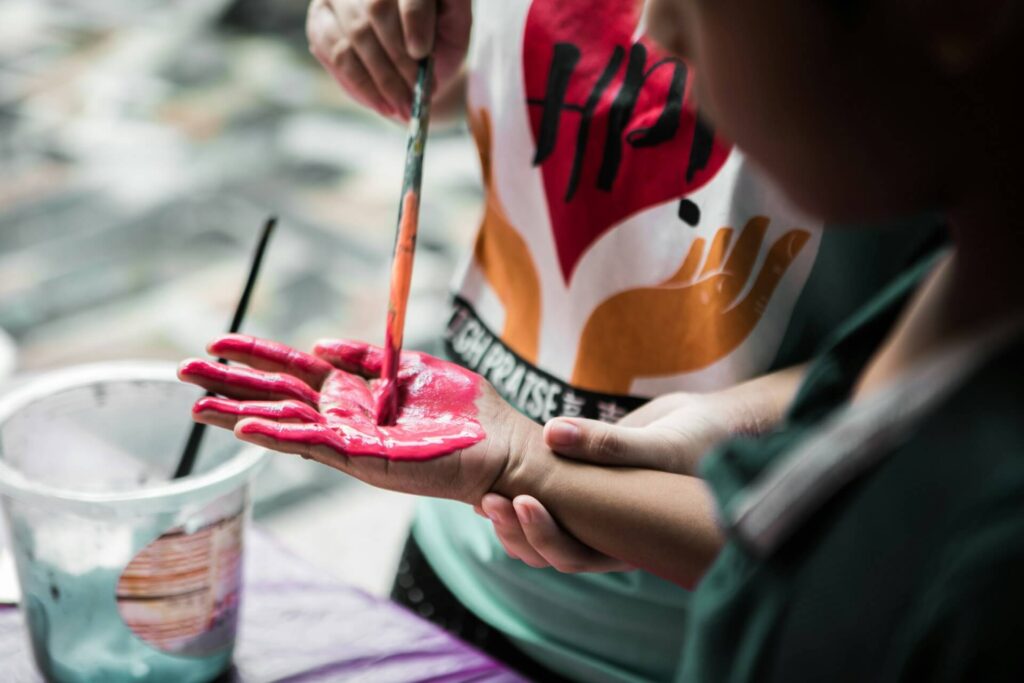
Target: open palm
x,y
322,406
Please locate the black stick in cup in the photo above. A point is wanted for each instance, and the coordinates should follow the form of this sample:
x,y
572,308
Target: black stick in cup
x,y
195,437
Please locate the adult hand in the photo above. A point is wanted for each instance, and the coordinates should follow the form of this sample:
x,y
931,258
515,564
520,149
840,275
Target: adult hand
x,y
453,438
371,47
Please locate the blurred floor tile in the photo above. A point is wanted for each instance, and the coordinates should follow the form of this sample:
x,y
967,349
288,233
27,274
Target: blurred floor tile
x,y
353,532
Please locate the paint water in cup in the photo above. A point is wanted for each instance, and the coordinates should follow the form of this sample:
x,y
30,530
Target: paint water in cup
x,y
125,574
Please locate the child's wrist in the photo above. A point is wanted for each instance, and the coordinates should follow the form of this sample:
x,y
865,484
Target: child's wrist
x,y
530,462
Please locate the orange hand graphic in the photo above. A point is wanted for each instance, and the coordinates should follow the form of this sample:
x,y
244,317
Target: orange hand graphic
x,y
689,321
505,259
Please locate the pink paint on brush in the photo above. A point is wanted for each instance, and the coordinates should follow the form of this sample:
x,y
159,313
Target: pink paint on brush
x,y
401,279
436,400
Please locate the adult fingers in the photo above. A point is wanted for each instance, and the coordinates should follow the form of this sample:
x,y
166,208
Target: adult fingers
x,y
418,26
506,525
387,24
271,356
246,383
559,549
451,39
379,63
225,413
327,27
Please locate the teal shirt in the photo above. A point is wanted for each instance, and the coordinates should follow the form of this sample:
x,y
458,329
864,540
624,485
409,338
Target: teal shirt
x,y
898,550
631,626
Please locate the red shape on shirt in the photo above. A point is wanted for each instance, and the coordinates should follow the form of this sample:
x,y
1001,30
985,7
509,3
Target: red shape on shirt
x,y
613,119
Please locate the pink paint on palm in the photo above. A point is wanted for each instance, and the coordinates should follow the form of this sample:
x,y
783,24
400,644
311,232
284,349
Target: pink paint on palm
x,y
338,408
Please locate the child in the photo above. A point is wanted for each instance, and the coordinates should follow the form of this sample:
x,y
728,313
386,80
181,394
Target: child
x,y
878,536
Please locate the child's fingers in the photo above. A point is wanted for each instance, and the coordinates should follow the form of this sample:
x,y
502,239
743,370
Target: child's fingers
x,y
271,356
245,383
310,440
559,549
351,356
225,413
607,444
499,510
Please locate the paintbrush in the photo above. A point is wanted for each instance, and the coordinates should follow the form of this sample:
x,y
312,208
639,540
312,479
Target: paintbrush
x,y
405,242
195,437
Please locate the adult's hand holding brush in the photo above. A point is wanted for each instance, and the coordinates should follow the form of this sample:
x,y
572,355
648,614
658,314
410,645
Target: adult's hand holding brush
x,y
372,47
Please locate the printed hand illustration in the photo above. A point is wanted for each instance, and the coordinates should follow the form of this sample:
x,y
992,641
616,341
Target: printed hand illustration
x,y
321,406
503,257
690,320
371,46
669,434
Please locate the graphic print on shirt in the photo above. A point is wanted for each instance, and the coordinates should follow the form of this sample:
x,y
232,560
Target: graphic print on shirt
x,y
607,113
625,249
504,256
699,318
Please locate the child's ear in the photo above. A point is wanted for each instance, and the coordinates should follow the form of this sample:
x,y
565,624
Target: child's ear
x,y
960,35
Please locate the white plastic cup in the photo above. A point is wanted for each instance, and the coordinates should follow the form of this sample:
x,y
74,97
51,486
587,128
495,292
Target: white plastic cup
x,y
8,355
125,574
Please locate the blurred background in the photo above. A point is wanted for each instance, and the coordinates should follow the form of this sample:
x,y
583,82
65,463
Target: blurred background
x,y
142,145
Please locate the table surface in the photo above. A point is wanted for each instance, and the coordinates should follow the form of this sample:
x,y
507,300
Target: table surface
x,y
296,625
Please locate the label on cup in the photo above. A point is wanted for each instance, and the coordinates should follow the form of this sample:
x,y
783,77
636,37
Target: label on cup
x,y
180,593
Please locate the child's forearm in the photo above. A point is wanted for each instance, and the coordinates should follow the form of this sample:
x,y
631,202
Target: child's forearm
x,y
757,405
657,521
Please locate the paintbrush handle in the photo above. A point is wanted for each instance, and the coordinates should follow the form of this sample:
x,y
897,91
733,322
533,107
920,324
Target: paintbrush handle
x,y
405,242
187,460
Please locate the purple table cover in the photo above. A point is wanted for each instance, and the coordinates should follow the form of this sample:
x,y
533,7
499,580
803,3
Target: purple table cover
x,y
298,626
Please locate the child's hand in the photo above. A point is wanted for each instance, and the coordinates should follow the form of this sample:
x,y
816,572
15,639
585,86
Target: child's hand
x,y
670,434
529,533
371,46
452,439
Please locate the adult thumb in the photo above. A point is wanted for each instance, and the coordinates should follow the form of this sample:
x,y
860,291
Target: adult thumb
x,y
651,447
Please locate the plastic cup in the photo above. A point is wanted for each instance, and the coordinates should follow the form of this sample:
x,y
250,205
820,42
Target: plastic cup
x,y
7,355
125,575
